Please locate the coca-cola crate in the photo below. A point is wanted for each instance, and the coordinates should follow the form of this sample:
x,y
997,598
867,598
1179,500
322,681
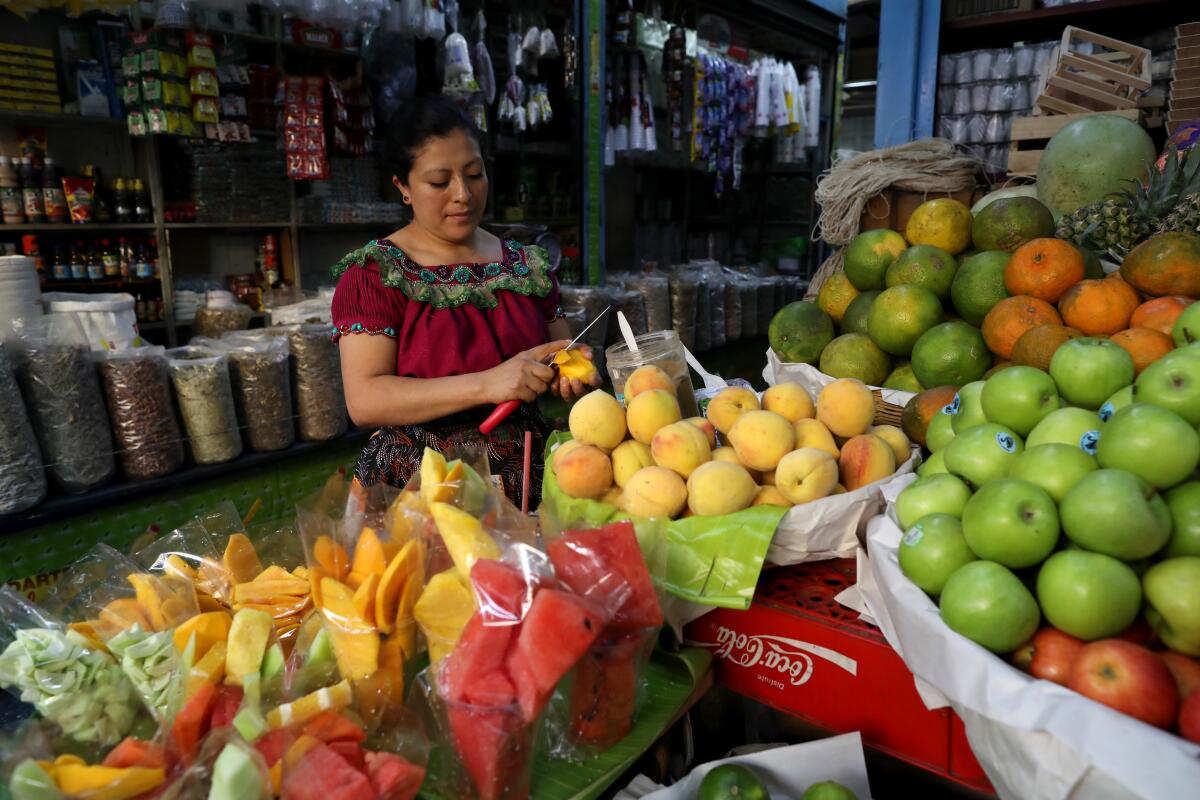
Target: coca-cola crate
x,y
800,652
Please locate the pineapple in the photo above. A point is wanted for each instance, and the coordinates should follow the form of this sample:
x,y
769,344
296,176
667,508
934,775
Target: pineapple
x,y
1115,225
1185,217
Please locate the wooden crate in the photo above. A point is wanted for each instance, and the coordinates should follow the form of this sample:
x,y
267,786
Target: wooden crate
x,y
962,9
1107,81
1184,101
891,208
1030,135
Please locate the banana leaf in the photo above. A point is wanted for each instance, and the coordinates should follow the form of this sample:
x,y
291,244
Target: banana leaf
x,y
712,561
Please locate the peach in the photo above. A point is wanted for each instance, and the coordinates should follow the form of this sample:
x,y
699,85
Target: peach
x,y
654,492
707,427
613,498
719,487
896,440
649,411
770,496
728,405
598,419
865,459
730,455
628,458
681,447
644,379
585,472
846,407
789,400
761,438
806,474
560,452
813,433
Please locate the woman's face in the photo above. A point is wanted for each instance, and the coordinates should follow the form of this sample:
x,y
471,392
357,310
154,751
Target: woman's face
x,y
448,186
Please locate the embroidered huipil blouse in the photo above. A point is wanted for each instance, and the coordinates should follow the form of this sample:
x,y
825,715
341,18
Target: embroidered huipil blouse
x,y
448,320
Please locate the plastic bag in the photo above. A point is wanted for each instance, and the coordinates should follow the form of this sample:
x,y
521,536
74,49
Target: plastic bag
x,y
205,397
631,303
141,410
221,314
317,370
733,310
748,288
655,292
684,291
262,387
226,767
109,320
714,280
22,481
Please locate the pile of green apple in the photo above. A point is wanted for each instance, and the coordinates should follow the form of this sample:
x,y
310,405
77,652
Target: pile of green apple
x,y
1072,497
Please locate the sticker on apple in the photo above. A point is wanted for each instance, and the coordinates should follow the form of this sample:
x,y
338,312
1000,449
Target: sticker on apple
x,y
914,536
953,406
1089,441
1006,442
1106,412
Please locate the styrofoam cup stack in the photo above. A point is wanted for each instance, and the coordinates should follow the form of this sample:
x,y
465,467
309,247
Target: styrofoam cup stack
x,y
20,292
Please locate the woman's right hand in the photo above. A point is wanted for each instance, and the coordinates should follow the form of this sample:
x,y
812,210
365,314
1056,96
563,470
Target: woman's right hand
x,y
522,377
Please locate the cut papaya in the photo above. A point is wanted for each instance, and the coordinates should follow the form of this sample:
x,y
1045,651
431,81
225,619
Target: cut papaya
x,y
191,723
241,559
368,553
331,557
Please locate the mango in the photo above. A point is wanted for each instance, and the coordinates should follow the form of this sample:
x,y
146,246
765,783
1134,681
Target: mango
x,y
728,405
789,400
865,459
770,496
720,487
598,419
628,458
241,559
408,565
210,669
442,611
433,477
464,537
247,644
895,439
649,412
846,407
806,474
573,364
208,628
654,492
645,379
813,433
369,554
761,438
585,472
681,447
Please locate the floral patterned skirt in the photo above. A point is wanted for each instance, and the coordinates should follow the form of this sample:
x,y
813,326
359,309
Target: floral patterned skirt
x,y
393,454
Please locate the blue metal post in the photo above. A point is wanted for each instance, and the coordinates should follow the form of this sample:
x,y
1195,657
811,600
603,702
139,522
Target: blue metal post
x,y
908,56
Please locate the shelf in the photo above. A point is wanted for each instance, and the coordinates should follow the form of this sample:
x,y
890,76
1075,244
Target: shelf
x,y
62,227
333,227
119,283
33,118
204,226
157,325
1120,18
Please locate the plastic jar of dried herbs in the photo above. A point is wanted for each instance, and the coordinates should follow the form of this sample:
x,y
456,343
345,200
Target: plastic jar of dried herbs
x,y
143,418
22,480
205,397
317,373
258,364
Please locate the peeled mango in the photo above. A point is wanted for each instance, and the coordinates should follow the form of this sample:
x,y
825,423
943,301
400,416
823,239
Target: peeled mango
x,y
82,690
151,663
573,364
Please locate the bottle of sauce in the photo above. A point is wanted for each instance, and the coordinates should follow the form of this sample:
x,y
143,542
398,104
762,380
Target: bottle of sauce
x,y
123,258
53,199
95,265
112,263
11,203
78,263
31,192
142,210
101,207
122,202
60,266
31,247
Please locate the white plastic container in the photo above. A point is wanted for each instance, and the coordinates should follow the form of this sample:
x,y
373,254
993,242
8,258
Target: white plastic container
x,y
109,320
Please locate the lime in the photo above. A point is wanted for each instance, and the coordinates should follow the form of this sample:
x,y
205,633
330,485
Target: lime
x,y
799,331
732,782
854,355
855,318
924,265
979,284
868,256
903,379
900,315
828,790
952,353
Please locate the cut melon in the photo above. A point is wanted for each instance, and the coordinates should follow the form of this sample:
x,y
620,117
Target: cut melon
x,y
236,775
557,631
392,777
301,710
241,559
495,746
464,537
584,560
479,655
501,590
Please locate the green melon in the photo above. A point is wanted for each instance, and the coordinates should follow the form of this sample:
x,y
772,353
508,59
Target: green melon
x,y
1090,159
799,332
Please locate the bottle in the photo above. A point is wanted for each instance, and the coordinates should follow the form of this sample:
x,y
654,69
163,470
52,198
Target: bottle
x,y
53,199
123,258
122,202
11,203
142,210
78,262
60,269
31,192
108,257
101,205
152,256
143,268
32,248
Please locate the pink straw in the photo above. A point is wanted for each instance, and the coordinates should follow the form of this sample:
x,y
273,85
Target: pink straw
x,y
525,475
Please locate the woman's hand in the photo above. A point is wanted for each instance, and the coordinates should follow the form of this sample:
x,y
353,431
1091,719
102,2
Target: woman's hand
x,y
572,388
524,376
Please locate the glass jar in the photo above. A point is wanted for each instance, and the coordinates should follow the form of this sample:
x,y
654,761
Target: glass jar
x,y
662,349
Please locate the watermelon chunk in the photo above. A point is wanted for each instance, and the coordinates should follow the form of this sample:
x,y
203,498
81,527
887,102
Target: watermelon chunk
x,y
192,721
558,630
495,746
330,726
322,774
274,744
500,590
480,653
393,777
494,691
604,691
582,560
351,751
225,707
133,752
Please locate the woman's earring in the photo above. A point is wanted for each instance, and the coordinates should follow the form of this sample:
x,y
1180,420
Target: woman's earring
x,y
407,200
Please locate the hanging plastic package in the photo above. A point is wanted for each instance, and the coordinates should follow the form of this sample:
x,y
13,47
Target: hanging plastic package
x,y
532,41
459,76
548,46
435,21
484,74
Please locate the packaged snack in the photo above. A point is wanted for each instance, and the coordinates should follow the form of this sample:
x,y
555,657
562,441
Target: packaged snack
x,y
79,194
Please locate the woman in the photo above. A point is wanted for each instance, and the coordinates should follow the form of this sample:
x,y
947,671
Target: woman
x,y
441,321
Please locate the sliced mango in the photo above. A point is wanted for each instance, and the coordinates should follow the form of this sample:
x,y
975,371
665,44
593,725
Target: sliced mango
x,y
355,642
301,710
464,537
406,627
268,591
148,598
433,475
122,613
364,597
106,783
301,573
208,603
276,573
210,627
410,558
241,559
178,566
398,521
368,554
355,579
210,669
315,575
247,644
331,556
442,611
88,631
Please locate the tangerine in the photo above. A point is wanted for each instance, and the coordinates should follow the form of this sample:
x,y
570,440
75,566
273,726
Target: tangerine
x,y
1160,313
1099,307
1036,346
1044,268
1145,345
1011,318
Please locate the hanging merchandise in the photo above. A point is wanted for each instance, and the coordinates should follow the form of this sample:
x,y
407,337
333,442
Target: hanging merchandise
x,y
304,127
458,78
512,104
721,117
353,119
484,73
547,44
674,65
812,100
435,20
202,79
570,50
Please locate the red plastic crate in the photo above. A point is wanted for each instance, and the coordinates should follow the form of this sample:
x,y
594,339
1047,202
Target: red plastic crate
x,y
800,652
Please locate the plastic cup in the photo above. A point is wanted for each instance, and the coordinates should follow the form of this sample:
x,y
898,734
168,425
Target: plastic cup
x,y
606,688
662,349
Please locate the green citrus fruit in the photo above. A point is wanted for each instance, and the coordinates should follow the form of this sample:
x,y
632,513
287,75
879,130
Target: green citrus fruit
x,y
900,315
924,265
799,332
903,379
854,355
732,782
869,255
951,353
836,294
855,318
979,284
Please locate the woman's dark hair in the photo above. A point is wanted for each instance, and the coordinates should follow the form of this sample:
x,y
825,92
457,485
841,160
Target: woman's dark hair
x,y
423,118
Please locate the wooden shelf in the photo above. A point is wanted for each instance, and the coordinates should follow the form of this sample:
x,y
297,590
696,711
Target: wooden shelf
x,y
85,228
8,117
223,226
1120,18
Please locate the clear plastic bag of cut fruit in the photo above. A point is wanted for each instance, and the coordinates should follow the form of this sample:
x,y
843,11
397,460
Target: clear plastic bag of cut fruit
x,y
226,767
485,699
191,552
596,706
66,676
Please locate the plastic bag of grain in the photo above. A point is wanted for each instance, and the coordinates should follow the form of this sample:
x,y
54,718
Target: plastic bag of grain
x,y
204,393
317,381
22,481
748,287
656,297
141,410
262,387
684,291
733,308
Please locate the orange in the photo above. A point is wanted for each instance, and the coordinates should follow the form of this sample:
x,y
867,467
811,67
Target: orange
x,y
1036,346
1099,307
1146,345
1160,313
1044,268
921,408
1011,318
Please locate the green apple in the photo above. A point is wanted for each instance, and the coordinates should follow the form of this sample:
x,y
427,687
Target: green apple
x,y
1172,382
1011,522
1088,595
1187,326
967,409
1153,443
1184,504
1172,590
1019,397
940,430
934,465
983,453
1055,467
1077,427
1115,512
936,494
1121,398
932,549
1089,370
989,605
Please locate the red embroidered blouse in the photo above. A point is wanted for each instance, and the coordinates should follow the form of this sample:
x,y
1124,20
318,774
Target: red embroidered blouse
x,y
447,320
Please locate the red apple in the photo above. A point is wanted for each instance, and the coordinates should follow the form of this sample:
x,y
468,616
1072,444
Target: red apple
x,y
1139,632
1128,678
1054,655
1189,718
1185,669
